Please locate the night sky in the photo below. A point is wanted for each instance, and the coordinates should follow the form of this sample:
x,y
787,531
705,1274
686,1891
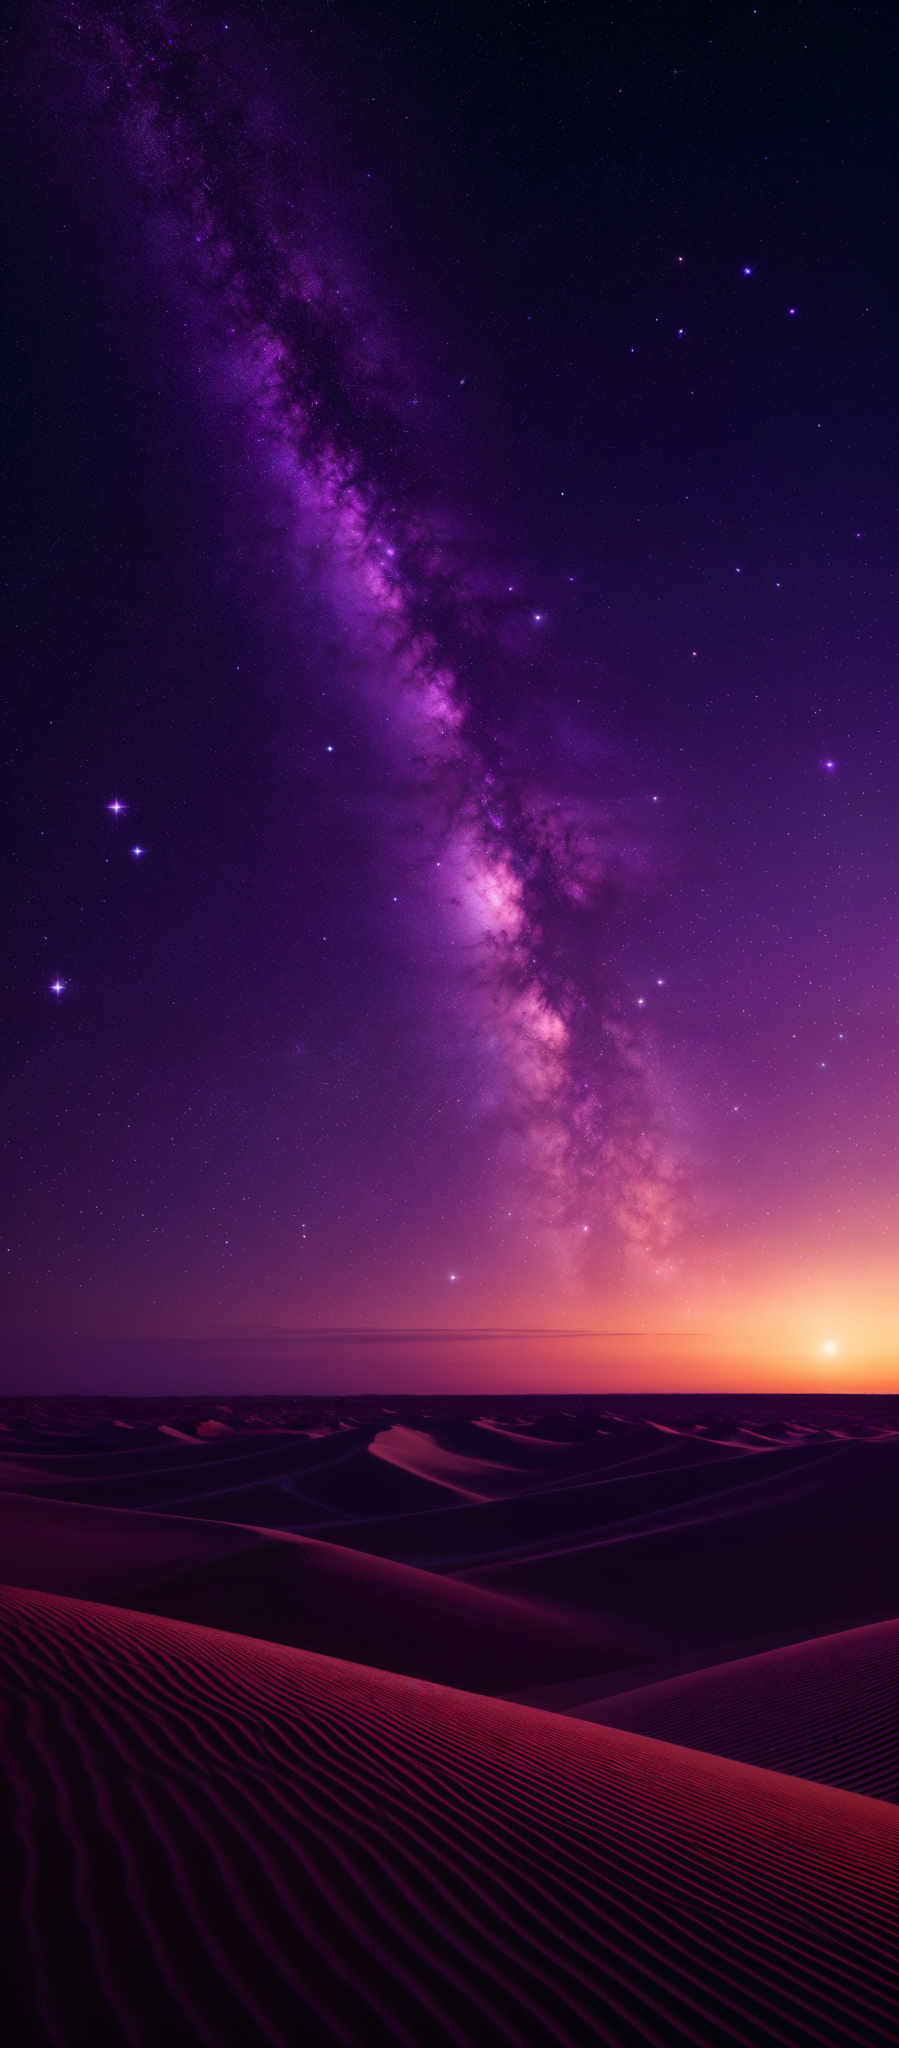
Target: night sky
x,y
453,518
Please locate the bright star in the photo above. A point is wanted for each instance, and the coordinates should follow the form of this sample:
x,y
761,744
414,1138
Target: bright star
x,y
539,618
57,987
116,807
747,269
137,853
641,1002
454,1276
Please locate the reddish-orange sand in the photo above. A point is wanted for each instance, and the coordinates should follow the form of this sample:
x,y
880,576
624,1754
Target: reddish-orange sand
x,y
827,1709
220,1840
295,1589
291,1835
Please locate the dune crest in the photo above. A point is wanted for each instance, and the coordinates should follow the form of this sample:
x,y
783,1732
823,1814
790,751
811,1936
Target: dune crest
x,y
826,1709
265,1845
299,1590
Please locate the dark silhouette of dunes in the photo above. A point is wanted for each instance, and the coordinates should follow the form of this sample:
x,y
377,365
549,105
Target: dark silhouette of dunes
x,y
280,1479
827,1709
294,1589
216,1839
784,1542
178,1469
669,1476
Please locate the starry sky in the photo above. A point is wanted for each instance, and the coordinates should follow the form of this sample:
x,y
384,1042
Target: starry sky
x,y
452,730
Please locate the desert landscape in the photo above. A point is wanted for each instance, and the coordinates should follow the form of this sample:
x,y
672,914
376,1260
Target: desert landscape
x,y
449,1108
454,1721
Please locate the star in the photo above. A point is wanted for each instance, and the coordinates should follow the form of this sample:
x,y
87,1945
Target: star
x,y
791,312
116,807
747,270
137,853
453,1276
57,987
539,618
641,1002
828,766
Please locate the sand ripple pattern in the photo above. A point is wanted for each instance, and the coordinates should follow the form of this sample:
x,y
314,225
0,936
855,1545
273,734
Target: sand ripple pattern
x,y
216,1839
827,1709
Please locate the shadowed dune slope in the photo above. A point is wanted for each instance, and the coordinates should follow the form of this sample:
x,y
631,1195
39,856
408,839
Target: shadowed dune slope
x,y
294,1589
258,1844
273,1477
676,1480
792,1548
828,1710
456,1485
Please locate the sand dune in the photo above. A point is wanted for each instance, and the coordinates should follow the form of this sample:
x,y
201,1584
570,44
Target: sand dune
x,y
224,1832
178,1467
826,1709
294,1589
672,1477
790,1542
280,1464
422,1453
256,1844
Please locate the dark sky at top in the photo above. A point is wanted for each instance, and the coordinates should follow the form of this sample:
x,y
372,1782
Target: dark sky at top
x,y
453,508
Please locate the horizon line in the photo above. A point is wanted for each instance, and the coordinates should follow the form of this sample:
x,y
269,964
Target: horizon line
x,y
224,1395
